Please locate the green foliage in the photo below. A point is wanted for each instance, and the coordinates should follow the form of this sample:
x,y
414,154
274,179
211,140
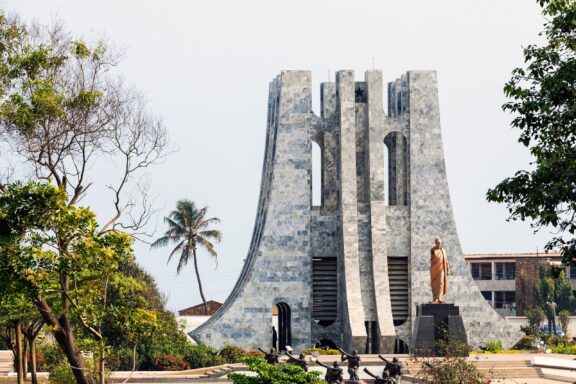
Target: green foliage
x,y
541,98
122,359
450,370
274,374
554,284
494,346
564,348
564,317
321,351
535,317
525,343
188,229
169,363
232,354
201,355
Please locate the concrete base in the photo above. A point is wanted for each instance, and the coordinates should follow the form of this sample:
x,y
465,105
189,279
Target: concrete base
x,y
439,330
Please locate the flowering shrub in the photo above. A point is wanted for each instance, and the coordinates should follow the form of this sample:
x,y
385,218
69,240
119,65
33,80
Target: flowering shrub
x,y
169,363
321,351
232,354
450,370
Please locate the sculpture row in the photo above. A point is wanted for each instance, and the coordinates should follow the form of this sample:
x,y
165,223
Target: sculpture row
x,y
335,375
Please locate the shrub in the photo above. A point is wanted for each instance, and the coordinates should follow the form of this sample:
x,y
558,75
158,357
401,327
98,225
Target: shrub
x,y
122,360
450,370
232,354
525,343
535,316
321,351
62,374
52,356
276,374
494,346
169,363
564,317
564,348
201,355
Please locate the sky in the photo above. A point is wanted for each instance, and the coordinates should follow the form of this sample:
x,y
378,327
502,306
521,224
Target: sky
x,y
205,67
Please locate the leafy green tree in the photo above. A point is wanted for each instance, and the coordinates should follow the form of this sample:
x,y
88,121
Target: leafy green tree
x,y
188,228
54,253
554,284
542,99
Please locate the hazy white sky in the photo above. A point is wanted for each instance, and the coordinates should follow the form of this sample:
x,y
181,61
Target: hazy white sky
x,y
205,67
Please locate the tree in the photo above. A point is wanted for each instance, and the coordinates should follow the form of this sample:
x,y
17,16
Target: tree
x,y
188,228
62,114
54,253
553,284
542,99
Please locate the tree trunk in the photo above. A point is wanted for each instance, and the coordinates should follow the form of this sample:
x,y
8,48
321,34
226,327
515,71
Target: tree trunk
x,y
199,282
24,356
65,338
18,357
32,346
102,367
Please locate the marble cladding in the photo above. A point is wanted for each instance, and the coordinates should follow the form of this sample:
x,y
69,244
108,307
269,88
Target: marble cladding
x,y
355,223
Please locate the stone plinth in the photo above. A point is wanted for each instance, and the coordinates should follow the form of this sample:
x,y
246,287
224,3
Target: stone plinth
x,y
439,327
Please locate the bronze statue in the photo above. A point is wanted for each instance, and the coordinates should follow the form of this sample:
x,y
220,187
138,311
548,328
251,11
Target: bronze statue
x,y
334,374
439,270
353,363
271,358
299,361
378,379
551,307
392,370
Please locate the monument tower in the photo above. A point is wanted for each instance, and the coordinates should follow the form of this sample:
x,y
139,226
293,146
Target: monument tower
x,y
351,271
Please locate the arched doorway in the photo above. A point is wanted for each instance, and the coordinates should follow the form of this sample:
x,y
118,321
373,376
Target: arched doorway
x,y
283,331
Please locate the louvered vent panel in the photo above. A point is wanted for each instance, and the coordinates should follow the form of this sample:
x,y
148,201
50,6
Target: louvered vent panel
x,y
324,289
398,277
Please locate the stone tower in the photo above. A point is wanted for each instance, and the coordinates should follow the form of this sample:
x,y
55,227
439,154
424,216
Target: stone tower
x,y
351,271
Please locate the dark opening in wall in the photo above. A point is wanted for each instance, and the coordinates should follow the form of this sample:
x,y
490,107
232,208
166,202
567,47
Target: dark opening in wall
x,y
396,168
324,290
284,332
398,280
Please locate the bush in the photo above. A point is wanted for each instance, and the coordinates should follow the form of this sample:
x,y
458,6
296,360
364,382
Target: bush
x,y
564,348
564,317
494,346
535,316
276,374
52,356
321,351
450,370
201,355
525,343
232,354
62,374
121,360
169,363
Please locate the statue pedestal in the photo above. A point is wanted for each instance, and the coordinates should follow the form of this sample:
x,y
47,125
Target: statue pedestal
x,y
439,330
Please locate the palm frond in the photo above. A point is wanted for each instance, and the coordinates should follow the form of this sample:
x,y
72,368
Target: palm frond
x,y
183,258
214,234
176,250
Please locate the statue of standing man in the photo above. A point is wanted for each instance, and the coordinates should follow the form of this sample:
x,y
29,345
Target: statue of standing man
x,y
439,271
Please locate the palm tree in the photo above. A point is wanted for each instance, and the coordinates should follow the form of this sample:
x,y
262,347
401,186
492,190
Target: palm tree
x,y
188,228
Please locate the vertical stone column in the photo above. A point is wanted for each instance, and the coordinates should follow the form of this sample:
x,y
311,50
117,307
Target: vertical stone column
x,y
375,186
330,149
431,216
354,331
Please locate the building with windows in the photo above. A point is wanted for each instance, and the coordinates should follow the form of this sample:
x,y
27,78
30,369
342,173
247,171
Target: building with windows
x,y
500,277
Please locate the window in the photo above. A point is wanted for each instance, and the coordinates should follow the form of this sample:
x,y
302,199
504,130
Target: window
x,y
573,270
505,271
481,271
505,299
316,175
487,295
